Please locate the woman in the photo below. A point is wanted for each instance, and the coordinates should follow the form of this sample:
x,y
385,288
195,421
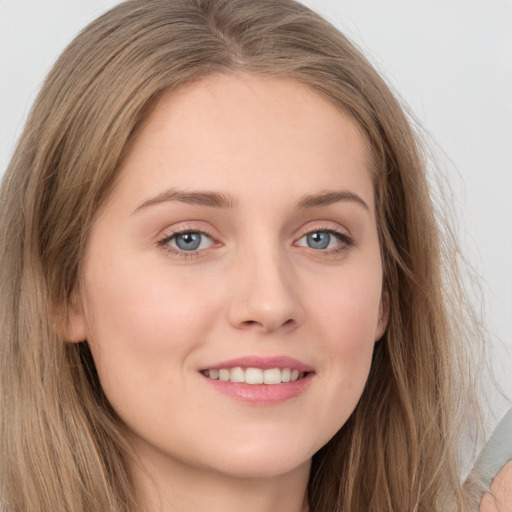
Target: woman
x,y
223,286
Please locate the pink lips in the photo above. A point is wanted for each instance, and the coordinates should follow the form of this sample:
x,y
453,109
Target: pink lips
x,y
264,363
262,394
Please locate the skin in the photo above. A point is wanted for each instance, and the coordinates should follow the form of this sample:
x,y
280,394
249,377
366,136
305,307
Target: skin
x,y
500,497
154,315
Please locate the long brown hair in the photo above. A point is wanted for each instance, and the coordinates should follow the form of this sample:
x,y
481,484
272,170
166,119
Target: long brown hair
x,y
60,441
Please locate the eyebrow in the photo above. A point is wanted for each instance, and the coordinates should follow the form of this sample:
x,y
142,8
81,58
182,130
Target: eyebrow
x,y
328,198
222,200
201,198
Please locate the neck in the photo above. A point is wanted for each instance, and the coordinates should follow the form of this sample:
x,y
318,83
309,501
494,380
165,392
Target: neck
x,y
181,488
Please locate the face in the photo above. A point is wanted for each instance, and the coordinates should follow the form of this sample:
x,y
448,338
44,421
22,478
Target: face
x,y
232,283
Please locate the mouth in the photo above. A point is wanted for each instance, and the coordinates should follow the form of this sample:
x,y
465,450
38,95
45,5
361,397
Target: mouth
x,y
254,376
260,380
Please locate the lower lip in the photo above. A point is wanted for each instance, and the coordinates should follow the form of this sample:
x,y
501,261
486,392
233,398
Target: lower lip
x,y
262,394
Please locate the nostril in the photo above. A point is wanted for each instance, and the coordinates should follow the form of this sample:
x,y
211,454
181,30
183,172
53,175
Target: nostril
x,y
250,324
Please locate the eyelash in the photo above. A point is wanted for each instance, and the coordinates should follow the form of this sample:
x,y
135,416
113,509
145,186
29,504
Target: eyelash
x,y
164,243
346,242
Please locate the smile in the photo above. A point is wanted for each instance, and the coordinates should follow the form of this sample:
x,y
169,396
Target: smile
x,y
271,376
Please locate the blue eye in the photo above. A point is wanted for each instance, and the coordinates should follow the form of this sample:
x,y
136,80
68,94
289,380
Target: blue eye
x,y
318,239
321,240
189,241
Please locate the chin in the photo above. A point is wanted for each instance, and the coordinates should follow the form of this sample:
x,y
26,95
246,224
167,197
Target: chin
x,y
263,468
267,459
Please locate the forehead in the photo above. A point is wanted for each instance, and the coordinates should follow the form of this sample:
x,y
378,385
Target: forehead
x,y
229,131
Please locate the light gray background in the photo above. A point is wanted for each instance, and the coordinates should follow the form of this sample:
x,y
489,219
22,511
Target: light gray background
x,y
451,62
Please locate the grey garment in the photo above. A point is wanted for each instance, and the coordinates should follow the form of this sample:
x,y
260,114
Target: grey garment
x,y
495,454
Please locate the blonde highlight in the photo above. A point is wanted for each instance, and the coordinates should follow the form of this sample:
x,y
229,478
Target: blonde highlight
x,y
398,450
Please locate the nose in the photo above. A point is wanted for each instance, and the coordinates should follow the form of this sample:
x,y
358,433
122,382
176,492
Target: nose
x,y
264,295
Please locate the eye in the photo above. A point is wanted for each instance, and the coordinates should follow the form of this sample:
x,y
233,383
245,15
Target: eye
x,y
189,241
325,239
318,240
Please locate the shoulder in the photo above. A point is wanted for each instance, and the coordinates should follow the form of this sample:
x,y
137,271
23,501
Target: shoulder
x,y
492,473
499,498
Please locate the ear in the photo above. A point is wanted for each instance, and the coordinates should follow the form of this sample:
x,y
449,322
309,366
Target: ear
x,y
69,321
382,323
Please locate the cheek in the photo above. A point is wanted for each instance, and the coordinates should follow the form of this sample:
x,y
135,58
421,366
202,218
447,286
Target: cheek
x,y
347,316
349,307
139,326
350,341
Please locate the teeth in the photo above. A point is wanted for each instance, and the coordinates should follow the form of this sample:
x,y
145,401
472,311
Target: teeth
x,y
224,375
255,375
272,376
237,375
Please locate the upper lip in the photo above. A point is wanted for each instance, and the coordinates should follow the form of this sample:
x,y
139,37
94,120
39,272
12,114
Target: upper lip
x,y
263,362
